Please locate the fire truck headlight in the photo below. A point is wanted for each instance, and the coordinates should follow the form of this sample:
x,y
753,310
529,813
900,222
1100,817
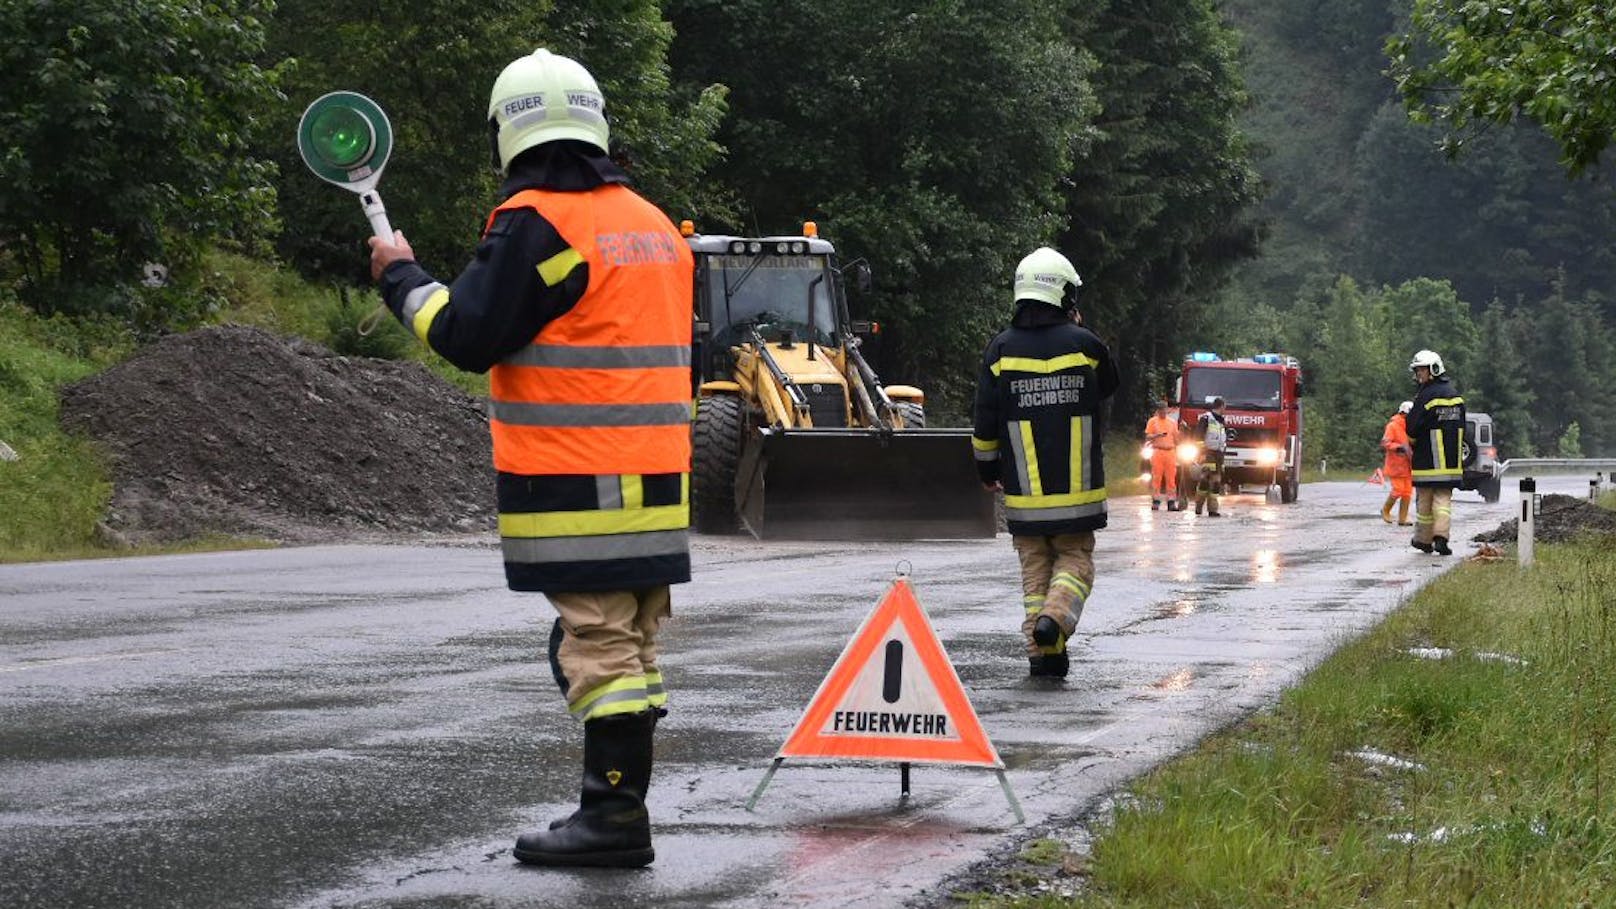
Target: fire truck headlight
x,y
1188,451
1145,452
1268,457
1145,477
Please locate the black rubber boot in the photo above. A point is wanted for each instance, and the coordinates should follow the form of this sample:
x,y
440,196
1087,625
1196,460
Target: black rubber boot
x,y
611,827
1440,544
657,713
1051,665
1422,547
1046,632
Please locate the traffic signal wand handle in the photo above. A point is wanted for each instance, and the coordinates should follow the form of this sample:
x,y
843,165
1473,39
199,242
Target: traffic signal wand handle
x,y
371,200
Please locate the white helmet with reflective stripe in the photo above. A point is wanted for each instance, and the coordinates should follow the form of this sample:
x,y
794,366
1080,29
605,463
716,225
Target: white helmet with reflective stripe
x,y
1428,359
540,98
1048,276
1405,407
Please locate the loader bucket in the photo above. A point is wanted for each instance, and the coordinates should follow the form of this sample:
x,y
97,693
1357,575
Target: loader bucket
x,y
862,484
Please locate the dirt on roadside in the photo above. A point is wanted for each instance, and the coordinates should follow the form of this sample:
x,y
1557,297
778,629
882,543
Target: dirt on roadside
x,y
235,430
1559,519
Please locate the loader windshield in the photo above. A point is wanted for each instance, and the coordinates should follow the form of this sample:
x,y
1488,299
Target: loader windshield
x,y
1241,389
771,293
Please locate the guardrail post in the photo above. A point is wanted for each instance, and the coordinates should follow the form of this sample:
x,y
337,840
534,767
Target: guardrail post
x,y
1593,490
1525,529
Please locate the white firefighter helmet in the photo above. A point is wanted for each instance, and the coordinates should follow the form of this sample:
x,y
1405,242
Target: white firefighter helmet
x,y
1405,407
1048,276
543,97
1428,359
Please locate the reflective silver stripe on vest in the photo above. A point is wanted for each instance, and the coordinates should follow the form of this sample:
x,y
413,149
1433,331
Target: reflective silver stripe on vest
x,y
570,357
1088,463
595,548
415,299
987,455
591,414
1014,433
1062,513
608,491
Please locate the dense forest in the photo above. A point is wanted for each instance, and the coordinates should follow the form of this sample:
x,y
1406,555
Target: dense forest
x,y
1236,176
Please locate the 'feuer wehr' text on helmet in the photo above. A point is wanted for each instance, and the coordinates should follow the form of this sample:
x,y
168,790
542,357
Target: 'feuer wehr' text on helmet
x,y
543,97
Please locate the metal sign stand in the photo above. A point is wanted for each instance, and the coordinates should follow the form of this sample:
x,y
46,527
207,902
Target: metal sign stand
x,y
903,780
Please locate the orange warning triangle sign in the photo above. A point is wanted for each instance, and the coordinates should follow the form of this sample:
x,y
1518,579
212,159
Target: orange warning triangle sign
x,y
893,695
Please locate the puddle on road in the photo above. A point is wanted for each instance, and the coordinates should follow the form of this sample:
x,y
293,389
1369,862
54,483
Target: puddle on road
x,y
1265,566
1181,680
1178,608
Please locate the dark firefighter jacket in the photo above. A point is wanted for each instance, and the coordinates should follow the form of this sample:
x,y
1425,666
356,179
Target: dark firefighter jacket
x,y
1038,421
1436,433
578,301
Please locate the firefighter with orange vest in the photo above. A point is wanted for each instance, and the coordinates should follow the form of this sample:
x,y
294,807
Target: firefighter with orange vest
x,y
577,303
1398,469
1161,433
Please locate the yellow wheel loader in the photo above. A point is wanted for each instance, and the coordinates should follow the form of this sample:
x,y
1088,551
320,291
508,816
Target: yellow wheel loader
x,y
794,435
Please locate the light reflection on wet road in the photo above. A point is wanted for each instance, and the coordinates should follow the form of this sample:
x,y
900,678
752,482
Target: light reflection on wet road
x,y
370,726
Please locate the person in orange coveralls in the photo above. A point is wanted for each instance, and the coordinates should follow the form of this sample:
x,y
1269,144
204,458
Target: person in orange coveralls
x,y
1399,467
1161,431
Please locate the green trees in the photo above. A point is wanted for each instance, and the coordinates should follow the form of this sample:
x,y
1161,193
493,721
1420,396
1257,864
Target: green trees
x,y
430,65
1502,386
125,137
931,139
1163,206
1490,62
944,141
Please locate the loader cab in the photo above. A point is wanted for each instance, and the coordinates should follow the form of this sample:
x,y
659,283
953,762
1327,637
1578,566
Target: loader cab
x,y
785,288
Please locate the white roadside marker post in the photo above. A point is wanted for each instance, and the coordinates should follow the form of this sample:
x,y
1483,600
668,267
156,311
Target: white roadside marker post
x,y
1525,529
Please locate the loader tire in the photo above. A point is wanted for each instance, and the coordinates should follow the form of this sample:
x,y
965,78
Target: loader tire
x,y
716,440
914,415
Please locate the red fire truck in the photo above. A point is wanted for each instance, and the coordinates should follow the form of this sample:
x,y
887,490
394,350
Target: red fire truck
x,y
1262,410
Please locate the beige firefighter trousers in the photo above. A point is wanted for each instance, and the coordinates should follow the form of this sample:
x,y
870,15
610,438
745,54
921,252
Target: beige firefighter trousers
x,y
1433,513
1057,573
607,650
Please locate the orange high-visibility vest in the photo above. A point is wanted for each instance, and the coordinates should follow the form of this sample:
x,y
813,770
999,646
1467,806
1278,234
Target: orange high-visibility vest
x,y
1166,425
1396,466
605,387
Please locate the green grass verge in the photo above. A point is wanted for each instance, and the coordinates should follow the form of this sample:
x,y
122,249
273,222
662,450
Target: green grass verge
x,y
1516,805
54,492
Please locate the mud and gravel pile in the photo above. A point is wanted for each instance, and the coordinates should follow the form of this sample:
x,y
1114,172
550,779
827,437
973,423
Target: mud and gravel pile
x,y
1559,520
234,430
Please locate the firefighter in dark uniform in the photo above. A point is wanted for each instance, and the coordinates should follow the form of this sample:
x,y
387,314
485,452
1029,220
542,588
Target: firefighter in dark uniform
x,y
1436,433
1037,437
577,302
1213,436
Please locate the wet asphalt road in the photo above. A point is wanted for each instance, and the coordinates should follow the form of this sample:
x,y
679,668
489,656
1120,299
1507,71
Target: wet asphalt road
x,y
371,726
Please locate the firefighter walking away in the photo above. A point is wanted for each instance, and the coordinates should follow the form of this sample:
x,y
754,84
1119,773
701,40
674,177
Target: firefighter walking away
x,y
1037,437
577,302
1436,422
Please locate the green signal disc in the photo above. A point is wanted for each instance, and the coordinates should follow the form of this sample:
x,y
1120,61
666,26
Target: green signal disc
x,y
342,137
345,138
